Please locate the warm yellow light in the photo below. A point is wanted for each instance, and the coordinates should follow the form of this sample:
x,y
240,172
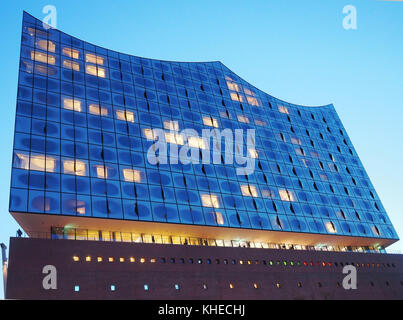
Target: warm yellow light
x,y
46,45
125,115
174,138
76,167
232,86
97,110
131,175
252,101
235,97
71,65
171,125
231,286
110,259
80,208
72,53
253,153
99,259
260,123
88,258
249,191
102,171
76,258
149,134
92,58
152,260
286,195
42,57
330,227
219,218
243,119
72,104
142,260
196,142
132,259
210,200
210,121
95,71
283,109
122,259
37,163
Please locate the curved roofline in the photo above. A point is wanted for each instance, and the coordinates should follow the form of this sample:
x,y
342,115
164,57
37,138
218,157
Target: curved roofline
x,y
199,62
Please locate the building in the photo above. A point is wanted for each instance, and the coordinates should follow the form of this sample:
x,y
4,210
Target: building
x,y
117,221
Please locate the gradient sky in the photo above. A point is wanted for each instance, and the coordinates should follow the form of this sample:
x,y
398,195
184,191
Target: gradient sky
x,y
295,50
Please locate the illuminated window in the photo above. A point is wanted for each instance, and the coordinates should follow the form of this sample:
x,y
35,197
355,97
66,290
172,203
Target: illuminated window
x,y
99,259
252,101
232,86
286,195
132,259
278,285
149,134
88,258
110,259
76,258
176,286
174,138
283,109
102,171
125,115
142,260
231,286
76,167
97,110
122,259
253,153
80,207
95,71
71,65
37,163
243,119
152,260
33,31
113,287
249,191
375,230
131,175
76,288
72,104
210,121
249,92
196,142
46,45
330,227
42,57
210,200
219,218
72,53
255,285
235,97
171,125
92,58
260,123
146,287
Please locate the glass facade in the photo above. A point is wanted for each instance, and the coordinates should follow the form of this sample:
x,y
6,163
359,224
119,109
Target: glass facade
x,y
84,123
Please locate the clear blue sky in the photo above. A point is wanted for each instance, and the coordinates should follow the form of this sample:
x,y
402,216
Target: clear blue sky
x,y
295,50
